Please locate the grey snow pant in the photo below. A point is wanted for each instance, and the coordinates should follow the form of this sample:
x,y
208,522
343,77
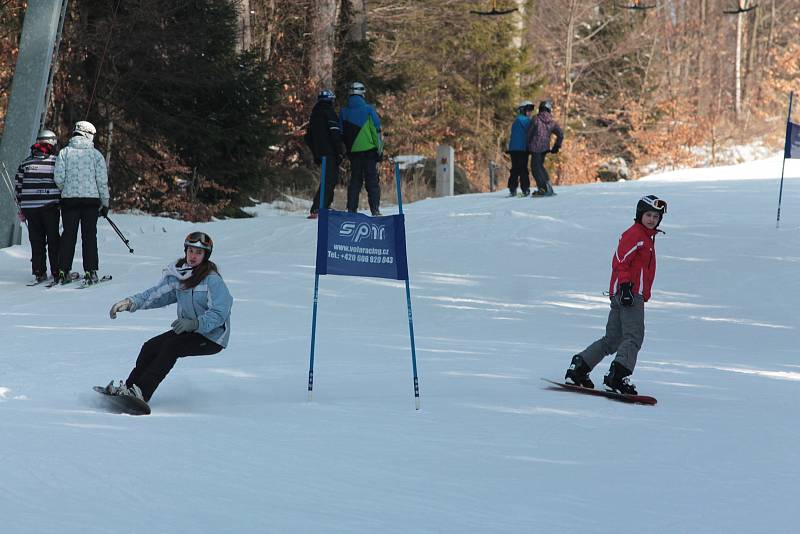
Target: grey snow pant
x,y
624,335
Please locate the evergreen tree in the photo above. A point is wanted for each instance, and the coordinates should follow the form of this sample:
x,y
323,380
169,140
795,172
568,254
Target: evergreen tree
x,y
178,92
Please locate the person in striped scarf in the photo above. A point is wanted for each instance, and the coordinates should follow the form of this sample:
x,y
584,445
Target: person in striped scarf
x,y
39,198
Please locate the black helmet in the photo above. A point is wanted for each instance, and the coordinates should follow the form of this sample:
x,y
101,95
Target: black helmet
x,y
650,203
545,105
326,95
200,240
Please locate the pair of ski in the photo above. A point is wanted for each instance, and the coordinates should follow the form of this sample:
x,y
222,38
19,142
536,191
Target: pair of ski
x,y
74,277
632,399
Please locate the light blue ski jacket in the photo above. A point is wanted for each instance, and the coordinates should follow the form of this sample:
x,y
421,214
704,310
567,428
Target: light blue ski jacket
x,y
209,302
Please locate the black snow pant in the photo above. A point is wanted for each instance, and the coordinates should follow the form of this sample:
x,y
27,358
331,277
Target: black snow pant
x,y
364,171
331,180
83,212
43,233
519,172
540,172
159,354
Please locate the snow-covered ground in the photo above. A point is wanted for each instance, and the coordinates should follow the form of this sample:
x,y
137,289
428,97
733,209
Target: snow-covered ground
x,y
504,291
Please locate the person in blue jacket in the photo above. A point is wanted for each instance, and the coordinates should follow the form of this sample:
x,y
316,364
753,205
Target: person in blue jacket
x,y
518,150
203,325
361,132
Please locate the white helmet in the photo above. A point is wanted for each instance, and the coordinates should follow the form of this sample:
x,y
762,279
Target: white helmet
x,y
525,104
47,136
356,88
85,128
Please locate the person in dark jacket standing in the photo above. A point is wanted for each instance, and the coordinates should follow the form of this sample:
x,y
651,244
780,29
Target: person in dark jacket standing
x,y
82,177
542,128
38,198
518,150
324,138
361,131
633,270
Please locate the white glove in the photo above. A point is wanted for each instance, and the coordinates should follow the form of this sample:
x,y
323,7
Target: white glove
x,y
123,305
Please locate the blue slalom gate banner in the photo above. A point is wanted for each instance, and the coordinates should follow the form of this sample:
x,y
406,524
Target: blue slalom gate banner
x,y
354,244
791,150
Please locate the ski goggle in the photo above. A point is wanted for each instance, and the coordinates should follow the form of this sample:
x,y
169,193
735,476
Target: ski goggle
x,y
656,203
199,240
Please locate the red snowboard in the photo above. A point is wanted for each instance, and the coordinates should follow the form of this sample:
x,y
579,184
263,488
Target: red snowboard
x,y
633,399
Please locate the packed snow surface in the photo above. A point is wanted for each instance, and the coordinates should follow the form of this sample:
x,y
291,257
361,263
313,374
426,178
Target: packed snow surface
x,y
504,292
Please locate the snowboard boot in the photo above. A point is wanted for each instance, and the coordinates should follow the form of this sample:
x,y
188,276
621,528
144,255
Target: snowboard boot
x,y
40,277
64,278
132,391
617,380
312,215
90,277
111,389
377,213
578,373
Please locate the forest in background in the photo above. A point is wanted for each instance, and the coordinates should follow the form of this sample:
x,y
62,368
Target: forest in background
x,y
202,104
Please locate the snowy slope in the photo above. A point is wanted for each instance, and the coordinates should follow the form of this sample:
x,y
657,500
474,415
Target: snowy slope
x,y
504,291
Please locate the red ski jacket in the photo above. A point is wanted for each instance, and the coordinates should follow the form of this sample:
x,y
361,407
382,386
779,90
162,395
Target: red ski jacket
x,y
635,260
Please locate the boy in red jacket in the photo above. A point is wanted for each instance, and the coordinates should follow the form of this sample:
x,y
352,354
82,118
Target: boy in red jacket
x,y
633,269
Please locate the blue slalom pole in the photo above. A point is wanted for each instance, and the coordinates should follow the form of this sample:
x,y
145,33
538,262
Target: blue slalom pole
x,y
408,300
783,166
316,288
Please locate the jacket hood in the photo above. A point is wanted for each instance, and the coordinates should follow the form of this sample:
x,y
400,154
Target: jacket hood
x,y
80,142
545,117
355,101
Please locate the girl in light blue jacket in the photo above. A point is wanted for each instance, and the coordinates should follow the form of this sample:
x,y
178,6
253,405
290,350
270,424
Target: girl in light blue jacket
x,y
203,324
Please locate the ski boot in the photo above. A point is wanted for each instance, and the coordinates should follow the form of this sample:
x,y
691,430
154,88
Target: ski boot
x,y
617,380
64,278
90,277
578,373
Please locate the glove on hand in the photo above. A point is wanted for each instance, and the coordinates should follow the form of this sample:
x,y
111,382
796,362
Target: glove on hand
x,y
103,211
123,305
626,298
184,326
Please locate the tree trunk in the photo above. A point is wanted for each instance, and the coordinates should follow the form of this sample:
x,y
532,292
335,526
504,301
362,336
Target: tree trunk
x,y
323,32
568,83
738,67
700,80
244,36
752,73
358,26
270,29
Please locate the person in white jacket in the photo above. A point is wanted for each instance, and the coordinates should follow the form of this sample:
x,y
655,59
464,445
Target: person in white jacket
x,y
81,175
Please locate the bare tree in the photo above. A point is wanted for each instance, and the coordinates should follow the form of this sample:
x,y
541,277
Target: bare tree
x,y
323,38
244,39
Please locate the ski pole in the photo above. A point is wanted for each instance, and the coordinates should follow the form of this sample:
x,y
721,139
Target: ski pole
x,y
7,181
116,229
